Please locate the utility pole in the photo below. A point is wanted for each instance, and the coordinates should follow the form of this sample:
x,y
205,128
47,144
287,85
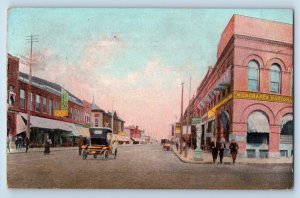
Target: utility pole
x,y
188,121
181,118
32,39
112,117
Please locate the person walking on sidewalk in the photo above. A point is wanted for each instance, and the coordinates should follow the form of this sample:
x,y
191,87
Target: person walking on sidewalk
x,y
27,143
214,149
80,143
8,144
222,147
234,147
47,146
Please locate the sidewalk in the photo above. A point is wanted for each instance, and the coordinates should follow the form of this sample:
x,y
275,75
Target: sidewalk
x,y
41,149
207,159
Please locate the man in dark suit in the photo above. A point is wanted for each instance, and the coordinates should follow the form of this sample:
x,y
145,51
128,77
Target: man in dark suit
x,y
214,150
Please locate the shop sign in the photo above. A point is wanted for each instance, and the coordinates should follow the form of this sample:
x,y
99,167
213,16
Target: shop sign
x,y
177,130
64,99
196,120
263,97
60,113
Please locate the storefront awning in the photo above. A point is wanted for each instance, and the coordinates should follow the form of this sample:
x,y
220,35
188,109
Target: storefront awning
x,y
258,123
220,85
45,123
285,119
84,132
20,126
121,138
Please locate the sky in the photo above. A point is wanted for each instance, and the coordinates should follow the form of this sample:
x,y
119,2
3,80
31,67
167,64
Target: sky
x,y
131,60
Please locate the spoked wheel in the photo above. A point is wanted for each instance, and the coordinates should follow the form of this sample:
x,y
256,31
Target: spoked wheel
x,y
116,152
105,155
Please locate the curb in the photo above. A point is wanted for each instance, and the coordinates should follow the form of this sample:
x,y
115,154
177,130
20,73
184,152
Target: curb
x,y
230,163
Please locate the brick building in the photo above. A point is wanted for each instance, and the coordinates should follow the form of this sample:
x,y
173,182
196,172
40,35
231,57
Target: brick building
x,y
45,98
101,118
248,94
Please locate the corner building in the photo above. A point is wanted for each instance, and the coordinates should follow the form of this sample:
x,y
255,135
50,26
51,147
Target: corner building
x,y
248,94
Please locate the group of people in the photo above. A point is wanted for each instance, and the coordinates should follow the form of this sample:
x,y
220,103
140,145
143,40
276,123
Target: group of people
x,y
219,147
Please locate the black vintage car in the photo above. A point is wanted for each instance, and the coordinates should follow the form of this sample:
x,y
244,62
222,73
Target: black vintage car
x,y
101,143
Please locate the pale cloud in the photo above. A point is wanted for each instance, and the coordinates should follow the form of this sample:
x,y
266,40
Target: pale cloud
x,y
149,97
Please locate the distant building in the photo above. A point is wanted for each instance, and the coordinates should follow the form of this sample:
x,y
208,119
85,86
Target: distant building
x,y
100,118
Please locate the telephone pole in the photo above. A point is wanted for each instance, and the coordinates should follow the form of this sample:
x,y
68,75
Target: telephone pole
x,y
32,39
181,118
188,120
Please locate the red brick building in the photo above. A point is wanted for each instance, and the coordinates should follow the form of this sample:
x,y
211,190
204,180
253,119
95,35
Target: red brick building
x,y
135,133
248,94
45,98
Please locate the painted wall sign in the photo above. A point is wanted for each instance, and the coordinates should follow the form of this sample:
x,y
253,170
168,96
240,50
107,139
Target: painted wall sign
x,y
263,97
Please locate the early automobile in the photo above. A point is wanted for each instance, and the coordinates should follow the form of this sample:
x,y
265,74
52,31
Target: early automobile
x,y
101,143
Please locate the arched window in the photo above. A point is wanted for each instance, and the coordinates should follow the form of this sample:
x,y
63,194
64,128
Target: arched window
x,y
275,78
258,128
287,125
253,76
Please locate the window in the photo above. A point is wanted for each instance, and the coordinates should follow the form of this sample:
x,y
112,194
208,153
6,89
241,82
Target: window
x,y
37,103
50,107
31,100
11,94
292,82
44,104
55,105
22,99
258,138
96,122
275,78
253,76
263,153
251,153
283,153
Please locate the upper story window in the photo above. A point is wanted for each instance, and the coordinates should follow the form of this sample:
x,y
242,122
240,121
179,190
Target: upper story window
x,y
11,95
44,104
22,99
50,107
275,76
37,103
31,100
55,105
292,82
253,76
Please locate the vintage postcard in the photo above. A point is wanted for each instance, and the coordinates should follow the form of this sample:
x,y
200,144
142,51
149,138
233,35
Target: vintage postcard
x,y
150,98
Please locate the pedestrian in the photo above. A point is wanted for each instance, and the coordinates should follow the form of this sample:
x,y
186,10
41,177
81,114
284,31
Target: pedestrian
x,y
177,145
27,143
234,147
8,144
80,144
222,147
47,147
17,142
214,150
